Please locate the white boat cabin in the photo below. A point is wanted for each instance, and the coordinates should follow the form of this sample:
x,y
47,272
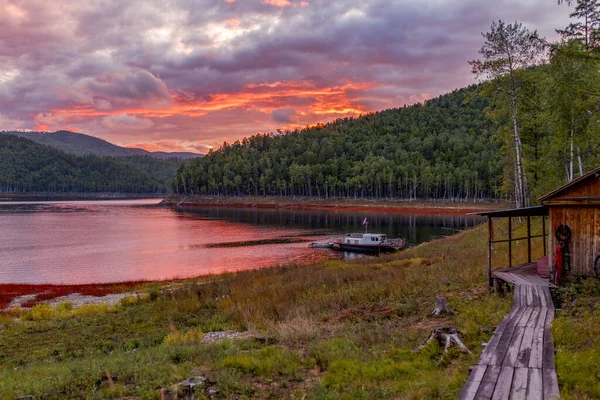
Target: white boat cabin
x,y
365,239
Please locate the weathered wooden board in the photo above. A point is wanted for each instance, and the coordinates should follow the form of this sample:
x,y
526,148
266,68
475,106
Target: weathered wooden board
x,y
550,381
525,316
548,351
469,390
535,389
519,385
490,349
488,383
537,346
529,296
526,348
510,359
504,384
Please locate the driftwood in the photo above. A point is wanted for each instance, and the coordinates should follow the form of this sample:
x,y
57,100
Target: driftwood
x,y
446,336
441,307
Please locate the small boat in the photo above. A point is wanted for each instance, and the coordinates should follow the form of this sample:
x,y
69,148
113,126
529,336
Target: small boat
x,y
316,245
368,243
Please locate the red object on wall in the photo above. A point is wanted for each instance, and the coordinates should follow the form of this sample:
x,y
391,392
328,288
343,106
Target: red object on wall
x,y
559,258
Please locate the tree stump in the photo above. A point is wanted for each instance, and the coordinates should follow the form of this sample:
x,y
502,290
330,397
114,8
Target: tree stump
x,y
441,307
446,336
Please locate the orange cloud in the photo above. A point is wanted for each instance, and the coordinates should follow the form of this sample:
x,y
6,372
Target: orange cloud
x,y
278,3
304,103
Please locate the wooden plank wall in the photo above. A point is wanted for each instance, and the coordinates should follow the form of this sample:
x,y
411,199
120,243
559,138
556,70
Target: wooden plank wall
x,y
589,187
585,242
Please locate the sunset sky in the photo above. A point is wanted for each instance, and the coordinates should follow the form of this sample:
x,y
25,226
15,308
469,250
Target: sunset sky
x,y
187,75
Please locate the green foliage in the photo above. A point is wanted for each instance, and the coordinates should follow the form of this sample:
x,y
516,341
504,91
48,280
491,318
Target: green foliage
x,y
441,149
338,348
576,330
267,362
26,166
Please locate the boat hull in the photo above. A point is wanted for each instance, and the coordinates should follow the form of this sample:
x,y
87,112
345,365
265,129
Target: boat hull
x,y
362,248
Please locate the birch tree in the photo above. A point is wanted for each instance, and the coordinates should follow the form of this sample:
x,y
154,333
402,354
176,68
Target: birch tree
x,y
508,49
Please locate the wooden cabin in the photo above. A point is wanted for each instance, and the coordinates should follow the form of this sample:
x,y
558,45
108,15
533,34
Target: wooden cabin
x,y
577,205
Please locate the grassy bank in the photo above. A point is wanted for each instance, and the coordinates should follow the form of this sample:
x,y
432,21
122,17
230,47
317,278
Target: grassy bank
x,y
377,205
576,332
338,329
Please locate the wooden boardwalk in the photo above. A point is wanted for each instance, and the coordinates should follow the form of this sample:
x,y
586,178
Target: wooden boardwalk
x,y
518,361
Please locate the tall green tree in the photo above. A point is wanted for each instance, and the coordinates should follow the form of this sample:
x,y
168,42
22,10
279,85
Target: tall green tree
x,y
508,49
587,26
574,103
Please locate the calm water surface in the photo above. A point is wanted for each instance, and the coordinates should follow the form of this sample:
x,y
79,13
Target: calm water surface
x,y
111,241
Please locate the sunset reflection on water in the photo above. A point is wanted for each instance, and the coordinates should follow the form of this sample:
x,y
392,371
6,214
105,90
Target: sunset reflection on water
x,y
97,242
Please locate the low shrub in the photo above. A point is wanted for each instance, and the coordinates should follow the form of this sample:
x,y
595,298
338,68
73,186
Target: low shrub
x,y
190,336
39,312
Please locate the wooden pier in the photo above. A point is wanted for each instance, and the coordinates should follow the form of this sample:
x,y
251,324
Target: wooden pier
x,y
518,361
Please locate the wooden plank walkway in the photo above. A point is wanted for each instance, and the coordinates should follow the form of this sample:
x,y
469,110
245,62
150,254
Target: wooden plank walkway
x,y
518,361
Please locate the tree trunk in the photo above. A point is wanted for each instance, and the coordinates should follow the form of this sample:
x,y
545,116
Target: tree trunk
x,y
579,161
571,148
521,178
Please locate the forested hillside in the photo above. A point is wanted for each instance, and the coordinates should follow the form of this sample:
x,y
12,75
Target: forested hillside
x,y
81,144
442,149
26,166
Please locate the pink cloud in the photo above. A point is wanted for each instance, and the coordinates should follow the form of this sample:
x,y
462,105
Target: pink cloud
x,y
124,121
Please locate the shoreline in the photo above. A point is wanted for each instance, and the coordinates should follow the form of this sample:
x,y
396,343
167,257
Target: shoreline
x,y
38,196
46,291
316,203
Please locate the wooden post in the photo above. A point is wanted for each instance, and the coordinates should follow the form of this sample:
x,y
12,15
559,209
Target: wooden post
x,y
544,234
509,242
528,239
490,238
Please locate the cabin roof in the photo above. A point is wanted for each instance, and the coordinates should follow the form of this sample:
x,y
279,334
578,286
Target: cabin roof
x,y
595,173
537,211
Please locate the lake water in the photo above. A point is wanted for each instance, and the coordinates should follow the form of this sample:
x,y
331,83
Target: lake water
x,y
110,241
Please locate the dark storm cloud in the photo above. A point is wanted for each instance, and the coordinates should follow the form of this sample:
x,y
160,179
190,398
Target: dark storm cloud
x,y
204,60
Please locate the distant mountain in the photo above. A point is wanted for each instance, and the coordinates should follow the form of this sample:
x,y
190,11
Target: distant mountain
x,y
27,166
81,144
